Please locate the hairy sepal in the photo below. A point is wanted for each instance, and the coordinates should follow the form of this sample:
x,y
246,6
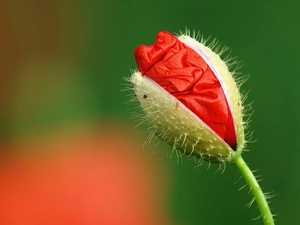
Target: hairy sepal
x,y
177,125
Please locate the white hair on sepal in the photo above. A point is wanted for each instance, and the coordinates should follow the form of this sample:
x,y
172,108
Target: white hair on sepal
x,y
160,114
154,107
225,70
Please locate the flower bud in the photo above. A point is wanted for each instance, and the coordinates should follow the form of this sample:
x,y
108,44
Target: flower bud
x,y
189,97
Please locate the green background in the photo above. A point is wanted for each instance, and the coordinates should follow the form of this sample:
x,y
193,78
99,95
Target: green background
x,y
263,34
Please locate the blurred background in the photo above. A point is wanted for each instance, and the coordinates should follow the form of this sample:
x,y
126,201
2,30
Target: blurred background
x,y
69,152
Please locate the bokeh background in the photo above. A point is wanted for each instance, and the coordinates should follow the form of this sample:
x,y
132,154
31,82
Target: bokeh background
x,y
69,152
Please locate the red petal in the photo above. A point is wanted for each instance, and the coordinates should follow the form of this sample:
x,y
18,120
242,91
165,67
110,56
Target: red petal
x,y
183,73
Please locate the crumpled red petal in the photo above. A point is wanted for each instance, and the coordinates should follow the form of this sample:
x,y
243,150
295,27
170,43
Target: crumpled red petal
x,y
184,74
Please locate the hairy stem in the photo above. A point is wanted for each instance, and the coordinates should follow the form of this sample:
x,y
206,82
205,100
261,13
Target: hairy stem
x,y
256,190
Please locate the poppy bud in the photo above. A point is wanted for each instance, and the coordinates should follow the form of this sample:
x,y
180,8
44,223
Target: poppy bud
x,y
189,97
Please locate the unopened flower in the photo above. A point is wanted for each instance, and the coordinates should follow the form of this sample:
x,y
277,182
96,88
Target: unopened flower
x,y
190,97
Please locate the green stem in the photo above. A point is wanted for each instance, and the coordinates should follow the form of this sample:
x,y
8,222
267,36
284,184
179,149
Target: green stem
x,y
258,194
